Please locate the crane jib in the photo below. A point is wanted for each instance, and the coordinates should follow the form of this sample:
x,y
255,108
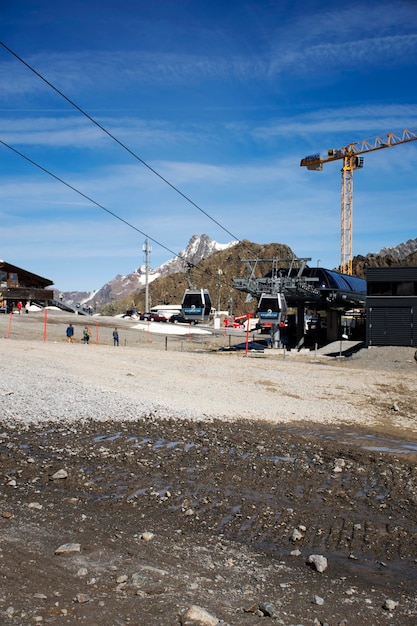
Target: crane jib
x,y
352,162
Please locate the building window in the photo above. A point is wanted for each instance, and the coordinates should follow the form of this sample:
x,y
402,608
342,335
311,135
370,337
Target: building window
x,y
406,288
380,289
401,288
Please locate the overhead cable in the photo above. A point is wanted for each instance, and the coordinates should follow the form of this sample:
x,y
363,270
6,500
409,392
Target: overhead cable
x,y
100,206
120,143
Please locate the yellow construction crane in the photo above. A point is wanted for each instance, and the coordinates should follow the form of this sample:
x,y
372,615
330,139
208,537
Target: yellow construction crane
x,y
352,161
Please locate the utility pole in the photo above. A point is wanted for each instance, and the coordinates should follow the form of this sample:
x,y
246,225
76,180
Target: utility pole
x,y
147,249
219,273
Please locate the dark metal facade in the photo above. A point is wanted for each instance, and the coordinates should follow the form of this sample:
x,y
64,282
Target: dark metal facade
x,y
391,306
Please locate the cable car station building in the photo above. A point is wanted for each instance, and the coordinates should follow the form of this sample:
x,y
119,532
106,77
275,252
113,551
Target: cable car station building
x,y
17,284
326,294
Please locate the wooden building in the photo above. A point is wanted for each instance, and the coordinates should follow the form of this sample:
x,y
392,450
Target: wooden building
x,y
391,306
17,284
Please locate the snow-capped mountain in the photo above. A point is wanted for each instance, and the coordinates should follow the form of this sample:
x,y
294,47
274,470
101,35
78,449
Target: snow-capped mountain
x,y
198,248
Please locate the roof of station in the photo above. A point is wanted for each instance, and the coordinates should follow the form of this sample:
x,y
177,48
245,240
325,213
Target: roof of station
x,y
330,279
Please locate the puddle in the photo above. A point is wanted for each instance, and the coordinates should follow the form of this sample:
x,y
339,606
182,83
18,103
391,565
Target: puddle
x,y
374,443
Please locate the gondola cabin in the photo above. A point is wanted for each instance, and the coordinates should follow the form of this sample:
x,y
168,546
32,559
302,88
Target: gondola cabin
x,y
272,308
196,305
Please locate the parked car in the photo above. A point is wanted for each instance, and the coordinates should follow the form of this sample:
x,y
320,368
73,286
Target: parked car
x,y
152,317
180,319
158,318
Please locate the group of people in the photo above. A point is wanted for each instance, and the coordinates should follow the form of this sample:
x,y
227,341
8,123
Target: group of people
x,y
20,307
87,335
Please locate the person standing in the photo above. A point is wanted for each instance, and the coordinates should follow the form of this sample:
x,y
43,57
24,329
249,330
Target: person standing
x,y
27,306
115,337
70,333
86,334
19,307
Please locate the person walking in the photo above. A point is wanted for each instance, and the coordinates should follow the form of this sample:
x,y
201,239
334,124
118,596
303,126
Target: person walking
x,y
86,334
70,333
27,306
115,337
19,307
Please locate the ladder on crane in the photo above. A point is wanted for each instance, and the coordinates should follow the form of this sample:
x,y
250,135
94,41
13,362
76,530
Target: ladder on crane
x,y
351,161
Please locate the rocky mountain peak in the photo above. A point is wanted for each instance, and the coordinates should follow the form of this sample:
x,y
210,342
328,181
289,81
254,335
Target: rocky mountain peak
x,y
399,252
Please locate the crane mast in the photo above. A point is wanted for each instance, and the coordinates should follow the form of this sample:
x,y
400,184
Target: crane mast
x,y
351,161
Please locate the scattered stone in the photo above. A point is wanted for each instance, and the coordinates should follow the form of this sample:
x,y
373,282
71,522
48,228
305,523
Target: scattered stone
x,y
268,609
390,605
59,475
35,505
122,579
318,600
296,535
82,572
147,536
295,552
68,548
7,515
82,598
318,561
395,407
198,615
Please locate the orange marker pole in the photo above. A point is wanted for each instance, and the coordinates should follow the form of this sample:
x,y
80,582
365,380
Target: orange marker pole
x,y
96,332
45,319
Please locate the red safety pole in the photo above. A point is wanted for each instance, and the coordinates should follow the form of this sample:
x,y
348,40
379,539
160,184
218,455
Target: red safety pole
x,y
10,325
45,319
97,332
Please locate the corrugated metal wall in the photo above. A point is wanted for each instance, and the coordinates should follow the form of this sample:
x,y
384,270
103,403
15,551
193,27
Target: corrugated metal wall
x,y
391,326
397,274
391,320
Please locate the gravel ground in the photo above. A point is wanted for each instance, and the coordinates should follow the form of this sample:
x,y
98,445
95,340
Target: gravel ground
x,y
189,476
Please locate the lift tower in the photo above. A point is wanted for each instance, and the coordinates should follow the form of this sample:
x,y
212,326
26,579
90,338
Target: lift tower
x,y
352,161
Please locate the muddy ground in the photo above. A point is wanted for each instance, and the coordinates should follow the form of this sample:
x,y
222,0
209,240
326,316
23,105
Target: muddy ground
x,y
136,522
167,515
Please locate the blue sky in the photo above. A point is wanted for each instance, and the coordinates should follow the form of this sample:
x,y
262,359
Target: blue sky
x,y
222,99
